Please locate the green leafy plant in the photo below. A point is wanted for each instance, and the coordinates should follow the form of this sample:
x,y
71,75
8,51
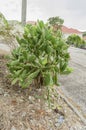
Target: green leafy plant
x,y
9,30
4,26
3,20
76,41
40,58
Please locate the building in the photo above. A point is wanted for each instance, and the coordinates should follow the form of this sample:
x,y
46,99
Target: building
x,y
69,31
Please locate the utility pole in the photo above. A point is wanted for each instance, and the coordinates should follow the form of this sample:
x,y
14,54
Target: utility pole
x,y
24,9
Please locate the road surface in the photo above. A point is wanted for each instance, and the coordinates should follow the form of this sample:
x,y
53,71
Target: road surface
x,y
74,85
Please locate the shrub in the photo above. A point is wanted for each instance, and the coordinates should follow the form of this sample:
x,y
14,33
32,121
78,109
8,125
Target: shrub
x,y
76,40
84,34
83,44
40,58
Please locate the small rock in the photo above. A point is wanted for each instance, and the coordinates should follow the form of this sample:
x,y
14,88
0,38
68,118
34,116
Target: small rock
x,y
57,124
31,98
6,95
24,114
50,121
39,100
56,120
33,122
32,111
13,128
20,100
45,97
29,129
40,90
61,119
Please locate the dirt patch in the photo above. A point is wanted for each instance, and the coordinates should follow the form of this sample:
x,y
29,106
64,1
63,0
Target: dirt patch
x,y
24,109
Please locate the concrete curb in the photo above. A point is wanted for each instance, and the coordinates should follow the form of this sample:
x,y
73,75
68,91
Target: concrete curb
x,y
73,108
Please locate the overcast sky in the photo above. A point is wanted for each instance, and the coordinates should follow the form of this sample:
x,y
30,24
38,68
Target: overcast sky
x,y
72,11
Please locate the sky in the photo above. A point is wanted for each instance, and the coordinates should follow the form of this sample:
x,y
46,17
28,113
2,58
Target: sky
x,y
72,11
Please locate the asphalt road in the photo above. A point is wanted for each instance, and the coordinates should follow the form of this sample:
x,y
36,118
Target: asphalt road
x,y
74,85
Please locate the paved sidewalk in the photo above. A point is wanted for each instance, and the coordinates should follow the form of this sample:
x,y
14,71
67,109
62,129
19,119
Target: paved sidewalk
x,y
74,85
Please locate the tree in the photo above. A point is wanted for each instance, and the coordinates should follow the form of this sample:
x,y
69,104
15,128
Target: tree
x,y
56,22
84,34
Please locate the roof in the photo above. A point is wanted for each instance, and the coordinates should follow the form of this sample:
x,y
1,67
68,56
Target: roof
x,y
70,30
31,22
